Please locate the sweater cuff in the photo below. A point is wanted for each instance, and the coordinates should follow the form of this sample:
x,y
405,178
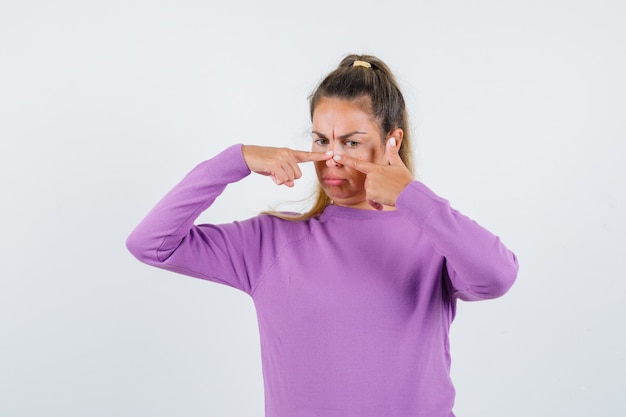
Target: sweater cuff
x,y
242,167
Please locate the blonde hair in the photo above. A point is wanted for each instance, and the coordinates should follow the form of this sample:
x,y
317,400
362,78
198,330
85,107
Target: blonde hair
x,y
354,81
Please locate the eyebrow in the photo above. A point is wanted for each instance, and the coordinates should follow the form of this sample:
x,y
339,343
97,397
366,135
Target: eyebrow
x,y
345,136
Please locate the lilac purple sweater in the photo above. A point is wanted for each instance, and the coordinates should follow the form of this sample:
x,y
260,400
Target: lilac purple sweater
x,y
354,307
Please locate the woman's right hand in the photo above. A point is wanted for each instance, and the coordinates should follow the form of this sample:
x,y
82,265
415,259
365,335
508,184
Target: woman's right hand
x,y
280,164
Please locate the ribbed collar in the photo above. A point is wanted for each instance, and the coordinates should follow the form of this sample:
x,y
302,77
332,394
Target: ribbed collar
x,y
357,214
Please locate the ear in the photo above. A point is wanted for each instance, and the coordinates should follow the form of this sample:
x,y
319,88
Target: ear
x,y
398,134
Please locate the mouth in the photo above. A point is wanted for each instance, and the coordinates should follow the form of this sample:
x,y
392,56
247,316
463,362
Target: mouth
x,y
333,180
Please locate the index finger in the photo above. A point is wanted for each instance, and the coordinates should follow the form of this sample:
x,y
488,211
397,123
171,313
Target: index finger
x,y
306,156
362,166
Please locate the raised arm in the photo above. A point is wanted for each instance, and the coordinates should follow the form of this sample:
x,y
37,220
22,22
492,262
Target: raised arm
x,y
171,222
478,265
167,237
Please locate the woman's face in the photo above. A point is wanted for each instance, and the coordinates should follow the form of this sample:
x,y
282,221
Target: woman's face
x,y
343,127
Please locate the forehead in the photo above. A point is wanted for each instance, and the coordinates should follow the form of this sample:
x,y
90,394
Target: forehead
x,y
338,114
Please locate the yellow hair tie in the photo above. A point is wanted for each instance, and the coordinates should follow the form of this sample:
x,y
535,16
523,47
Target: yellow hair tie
x,y
361,64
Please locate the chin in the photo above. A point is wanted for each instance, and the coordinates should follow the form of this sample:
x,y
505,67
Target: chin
x,y
344,200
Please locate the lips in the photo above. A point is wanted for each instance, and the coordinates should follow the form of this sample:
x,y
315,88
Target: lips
x,y
331,180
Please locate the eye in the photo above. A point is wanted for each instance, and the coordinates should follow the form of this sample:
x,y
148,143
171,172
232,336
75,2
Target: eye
x,y
351,143
321,141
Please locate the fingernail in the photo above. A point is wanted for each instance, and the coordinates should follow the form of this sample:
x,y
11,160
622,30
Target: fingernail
x,y
336,157
392,141
329,152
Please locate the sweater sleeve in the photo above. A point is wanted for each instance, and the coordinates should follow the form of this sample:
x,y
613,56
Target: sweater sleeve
x,y
167,237
477,264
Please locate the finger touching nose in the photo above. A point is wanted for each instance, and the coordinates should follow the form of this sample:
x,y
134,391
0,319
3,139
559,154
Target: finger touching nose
x,y
336,149
332,163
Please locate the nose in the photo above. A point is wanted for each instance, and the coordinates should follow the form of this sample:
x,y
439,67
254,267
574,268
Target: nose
x,y
336,149
331,163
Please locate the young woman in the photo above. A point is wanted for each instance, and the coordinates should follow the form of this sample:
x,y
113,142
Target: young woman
x,y
355,297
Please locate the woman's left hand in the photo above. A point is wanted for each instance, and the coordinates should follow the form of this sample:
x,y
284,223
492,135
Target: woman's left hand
x,y
383,182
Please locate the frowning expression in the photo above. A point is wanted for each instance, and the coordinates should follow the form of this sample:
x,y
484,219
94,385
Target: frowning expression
x,y
345,127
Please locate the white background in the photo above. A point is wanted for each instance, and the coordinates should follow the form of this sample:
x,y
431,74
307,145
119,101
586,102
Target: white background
x,y
518,113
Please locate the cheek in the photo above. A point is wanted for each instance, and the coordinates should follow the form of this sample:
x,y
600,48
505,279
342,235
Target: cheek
x,y
364,154
356,177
